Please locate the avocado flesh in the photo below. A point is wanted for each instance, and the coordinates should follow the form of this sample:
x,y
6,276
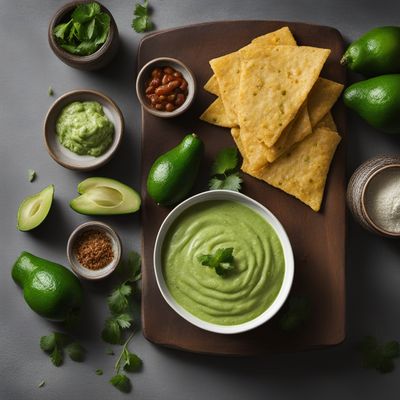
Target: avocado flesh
x,y
34,209
105,196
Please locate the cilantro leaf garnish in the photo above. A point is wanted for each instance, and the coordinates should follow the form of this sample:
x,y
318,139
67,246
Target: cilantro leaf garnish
x,y
121,382
224,173
99,371
295,313
230,182
141,22
121,299
118,299
76,352
379,357
222,261
54,345
129,362
226,161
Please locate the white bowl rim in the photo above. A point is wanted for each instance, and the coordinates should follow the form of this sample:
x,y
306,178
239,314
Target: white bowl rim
x,y
269,217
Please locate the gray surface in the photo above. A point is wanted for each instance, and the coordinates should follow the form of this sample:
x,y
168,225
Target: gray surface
x,y
27,68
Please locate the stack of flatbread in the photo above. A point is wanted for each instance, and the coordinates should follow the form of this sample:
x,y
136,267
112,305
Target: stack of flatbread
x,y
278,108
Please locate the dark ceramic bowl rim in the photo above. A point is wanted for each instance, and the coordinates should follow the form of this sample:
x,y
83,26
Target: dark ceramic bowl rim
x,y
117,137
59,51
165,114
364,208
95,225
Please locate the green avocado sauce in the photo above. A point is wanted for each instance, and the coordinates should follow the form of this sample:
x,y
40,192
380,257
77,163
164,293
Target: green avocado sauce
x,y
248,290
83,128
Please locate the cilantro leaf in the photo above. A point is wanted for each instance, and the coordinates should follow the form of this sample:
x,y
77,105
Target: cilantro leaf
x,y
379,357
226,160
56,356
47,343
230,182
118,301
99,371
121,382
130,269
76,352
41,384
132,363
124,320
111,332
103,27
61,31
295,313
391,349
221,261
141,22
50,91
85,12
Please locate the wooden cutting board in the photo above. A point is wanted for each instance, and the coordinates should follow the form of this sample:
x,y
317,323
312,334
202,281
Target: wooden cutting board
x,y
318,239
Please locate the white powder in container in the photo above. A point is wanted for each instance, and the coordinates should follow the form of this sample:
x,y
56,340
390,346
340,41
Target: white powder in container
x,y
382,199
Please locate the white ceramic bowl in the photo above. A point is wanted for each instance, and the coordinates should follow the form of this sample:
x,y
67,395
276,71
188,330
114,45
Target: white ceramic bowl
x,y
269,217
64,156
116,246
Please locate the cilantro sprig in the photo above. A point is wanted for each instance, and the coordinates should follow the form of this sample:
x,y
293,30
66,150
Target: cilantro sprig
x,y
120,301
129,362
85,32
141,21
377,356
55,343
224,172
221,261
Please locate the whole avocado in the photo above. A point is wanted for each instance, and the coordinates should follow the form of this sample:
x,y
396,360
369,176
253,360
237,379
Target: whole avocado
x,y
173,174
50,289
377,100
375,53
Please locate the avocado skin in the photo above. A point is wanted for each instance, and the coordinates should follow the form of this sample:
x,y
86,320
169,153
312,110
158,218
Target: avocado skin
x,y
375,53
173,174
377,100
50,289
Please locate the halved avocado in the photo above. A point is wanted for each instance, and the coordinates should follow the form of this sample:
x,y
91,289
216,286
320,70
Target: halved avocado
x,y
105,196
34,209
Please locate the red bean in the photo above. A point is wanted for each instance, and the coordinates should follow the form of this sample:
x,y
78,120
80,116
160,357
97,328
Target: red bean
x,y
168,70
183,85
160,107
180,99
150,90
169,107
171,97
177,74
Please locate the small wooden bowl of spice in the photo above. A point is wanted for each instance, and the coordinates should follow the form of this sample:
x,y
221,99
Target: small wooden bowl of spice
x,y
373,195
94,250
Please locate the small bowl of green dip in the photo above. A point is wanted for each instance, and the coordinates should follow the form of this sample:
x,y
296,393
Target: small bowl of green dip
x,y
83,129
223,262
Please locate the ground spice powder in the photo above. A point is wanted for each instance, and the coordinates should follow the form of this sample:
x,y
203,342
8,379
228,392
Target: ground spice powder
x,y
94,250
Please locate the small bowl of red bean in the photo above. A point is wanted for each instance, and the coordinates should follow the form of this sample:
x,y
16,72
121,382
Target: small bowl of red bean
x,y
165,87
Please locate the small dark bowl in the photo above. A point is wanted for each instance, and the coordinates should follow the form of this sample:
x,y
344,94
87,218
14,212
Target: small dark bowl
x,y
99,58
144,75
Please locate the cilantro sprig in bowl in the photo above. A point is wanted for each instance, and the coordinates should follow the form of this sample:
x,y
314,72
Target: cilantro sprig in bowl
x,y
83,35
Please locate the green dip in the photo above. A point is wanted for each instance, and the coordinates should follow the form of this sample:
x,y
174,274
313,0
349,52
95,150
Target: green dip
x,y
245,292
83,128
